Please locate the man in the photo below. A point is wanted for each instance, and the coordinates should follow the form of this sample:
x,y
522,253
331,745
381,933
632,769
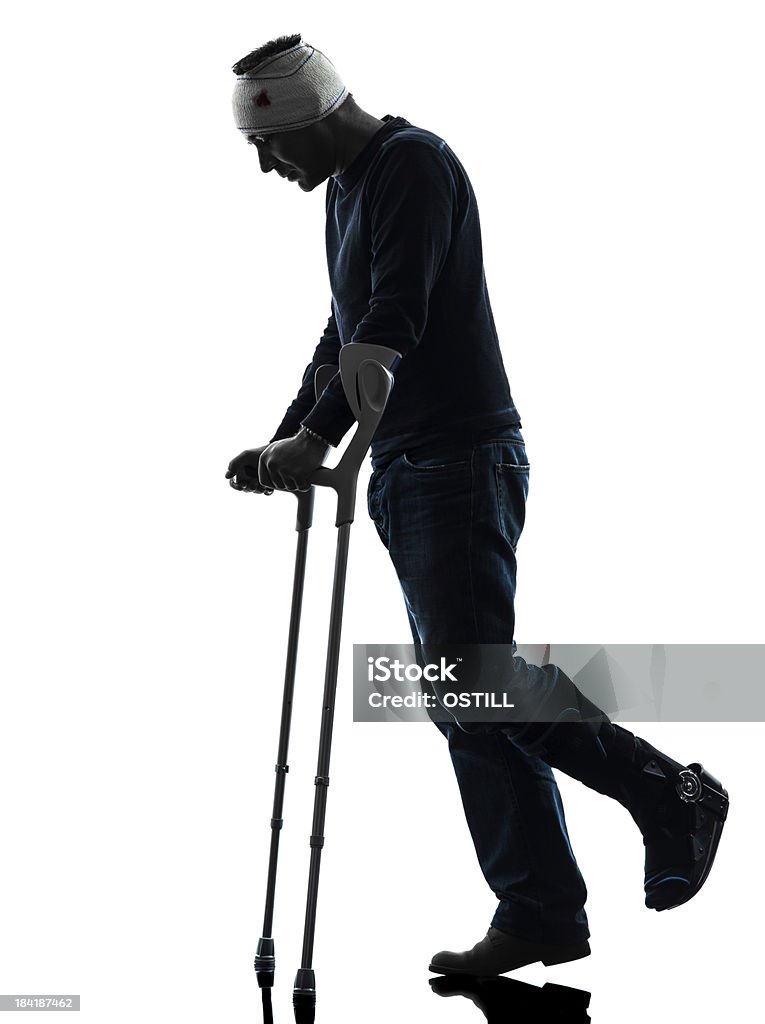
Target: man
x,y
447,495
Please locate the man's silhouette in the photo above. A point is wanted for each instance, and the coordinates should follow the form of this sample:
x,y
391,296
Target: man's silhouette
x,y
447,495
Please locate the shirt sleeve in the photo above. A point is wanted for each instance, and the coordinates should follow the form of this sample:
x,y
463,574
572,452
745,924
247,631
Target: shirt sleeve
x,y
327,351
411,201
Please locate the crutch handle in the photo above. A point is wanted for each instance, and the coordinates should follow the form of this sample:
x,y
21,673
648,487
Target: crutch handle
x,y
367,382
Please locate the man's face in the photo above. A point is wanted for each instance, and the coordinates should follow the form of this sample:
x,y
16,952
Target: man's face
x,y
301,155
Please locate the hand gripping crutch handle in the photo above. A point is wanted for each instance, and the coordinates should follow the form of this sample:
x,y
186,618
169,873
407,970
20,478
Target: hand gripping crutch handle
x,y
367,382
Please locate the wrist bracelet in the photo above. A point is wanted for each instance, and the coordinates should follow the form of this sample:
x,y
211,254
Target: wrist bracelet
x,y
312,433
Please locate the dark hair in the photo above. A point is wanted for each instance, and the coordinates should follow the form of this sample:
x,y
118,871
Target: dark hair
x,y
278,45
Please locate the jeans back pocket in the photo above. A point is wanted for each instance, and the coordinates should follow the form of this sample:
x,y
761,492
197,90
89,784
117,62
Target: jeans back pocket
x,y
512,483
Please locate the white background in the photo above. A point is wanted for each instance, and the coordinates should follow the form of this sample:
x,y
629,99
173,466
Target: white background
x,y
162,299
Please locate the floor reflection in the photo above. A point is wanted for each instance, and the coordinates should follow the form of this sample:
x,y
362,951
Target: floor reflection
x,y
505,1000
501,1000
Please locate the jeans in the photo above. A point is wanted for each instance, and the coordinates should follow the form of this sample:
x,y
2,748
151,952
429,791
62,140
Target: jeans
x,y
450,516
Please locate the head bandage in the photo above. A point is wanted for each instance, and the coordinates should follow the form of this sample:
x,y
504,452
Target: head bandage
x,y
287,91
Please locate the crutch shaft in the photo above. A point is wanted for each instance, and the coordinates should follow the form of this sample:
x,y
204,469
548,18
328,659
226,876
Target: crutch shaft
x,y
325,741
281,767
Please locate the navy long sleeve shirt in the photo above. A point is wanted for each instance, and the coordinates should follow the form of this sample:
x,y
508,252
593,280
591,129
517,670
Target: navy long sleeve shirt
x,y
406,271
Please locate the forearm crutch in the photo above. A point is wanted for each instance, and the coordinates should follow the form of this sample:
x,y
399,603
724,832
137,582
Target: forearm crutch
x,y
367,382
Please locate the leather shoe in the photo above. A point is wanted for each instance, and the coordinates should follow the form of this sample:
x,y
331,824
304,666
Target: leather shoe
x,y
498,953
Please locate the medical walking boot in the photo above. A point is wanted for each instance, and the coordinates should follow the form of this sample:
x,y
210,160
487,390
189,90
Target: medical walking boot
x,y
679,809
681,838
